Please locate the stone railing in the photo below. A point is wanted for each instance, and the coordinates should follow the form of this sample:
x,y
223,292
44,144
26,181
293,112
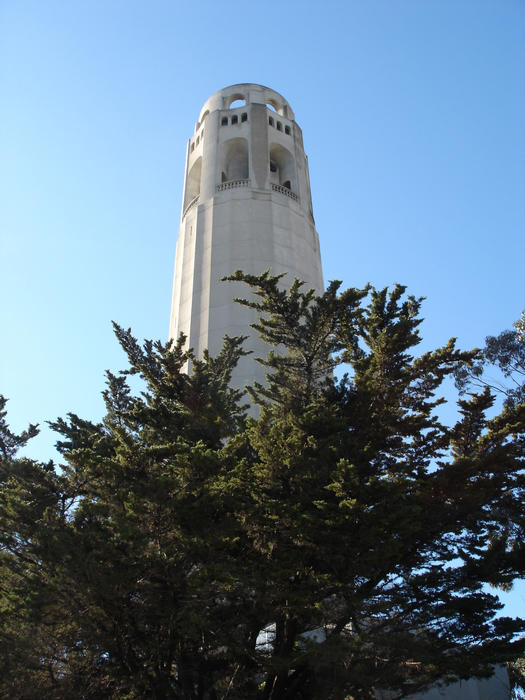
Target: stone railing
x,y
193,201
232,184
285,190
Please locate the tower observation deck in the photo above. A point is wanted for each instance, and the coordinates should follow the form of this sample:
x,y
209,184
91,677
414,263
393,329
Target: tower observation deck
x,y
246,205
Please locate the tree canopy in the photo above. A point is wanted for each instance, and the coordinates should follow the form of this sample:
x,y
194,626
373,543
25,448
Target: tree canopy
x,y
336,545
500,365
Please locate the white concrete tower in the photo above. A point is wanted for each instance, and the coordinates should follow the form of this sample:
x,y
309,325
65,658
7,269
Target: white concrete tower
x,y
246,205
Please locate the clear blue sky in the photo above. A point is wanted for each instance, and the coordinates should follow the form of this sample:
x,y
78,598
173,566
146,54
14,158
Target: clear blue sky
x,y
413,114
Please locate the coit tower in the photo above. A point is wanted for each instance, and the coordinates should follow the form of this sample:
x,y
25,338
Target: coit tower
x,y
246,206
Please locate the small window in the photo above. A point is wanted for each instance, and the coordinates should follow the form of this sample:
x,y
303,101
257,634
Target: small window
x,y
198,139
244,117
224,121
235,119
192,147
202,134
279,126
270,121
287,130
273,167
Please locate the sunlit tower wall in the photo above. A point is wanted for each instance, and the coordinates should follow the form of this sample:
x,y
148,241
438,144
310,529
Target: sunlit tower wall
x,y
246,205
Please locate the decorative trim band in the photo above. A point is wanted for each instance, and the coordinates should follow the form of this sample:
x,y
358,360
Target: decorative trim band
x,y
232,184
286,191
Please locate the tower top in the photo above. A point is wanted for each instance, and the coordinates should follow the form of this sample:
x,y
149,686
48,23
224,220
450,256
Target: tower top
x,y
249,93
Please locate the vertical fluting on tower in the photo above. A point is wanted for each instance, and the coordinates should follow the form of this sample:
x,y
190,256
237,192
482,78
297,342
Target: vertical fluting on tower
x,y
246,205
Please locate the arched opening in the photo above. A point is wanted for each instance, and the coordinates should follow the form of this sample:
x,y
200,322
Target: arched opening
x,y
279,108
193,182
235,160
224,121
282,167
235,119
235,101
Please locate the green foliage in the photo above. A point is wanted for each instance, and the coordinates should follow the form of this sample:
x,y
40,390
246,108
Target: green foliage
x,y
9,442
380,524
30,504
516,671
345,521
505,354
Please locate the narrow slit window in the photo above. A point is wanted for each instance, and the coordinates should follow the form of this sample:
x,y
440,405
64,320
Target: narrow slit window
x,y
270,121
273,167
192,147
279,126
244,117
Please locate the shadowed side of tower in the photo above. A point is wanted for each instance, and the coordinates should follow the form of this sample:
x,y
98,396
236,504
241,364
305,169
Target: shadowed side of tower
x,y
246,205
